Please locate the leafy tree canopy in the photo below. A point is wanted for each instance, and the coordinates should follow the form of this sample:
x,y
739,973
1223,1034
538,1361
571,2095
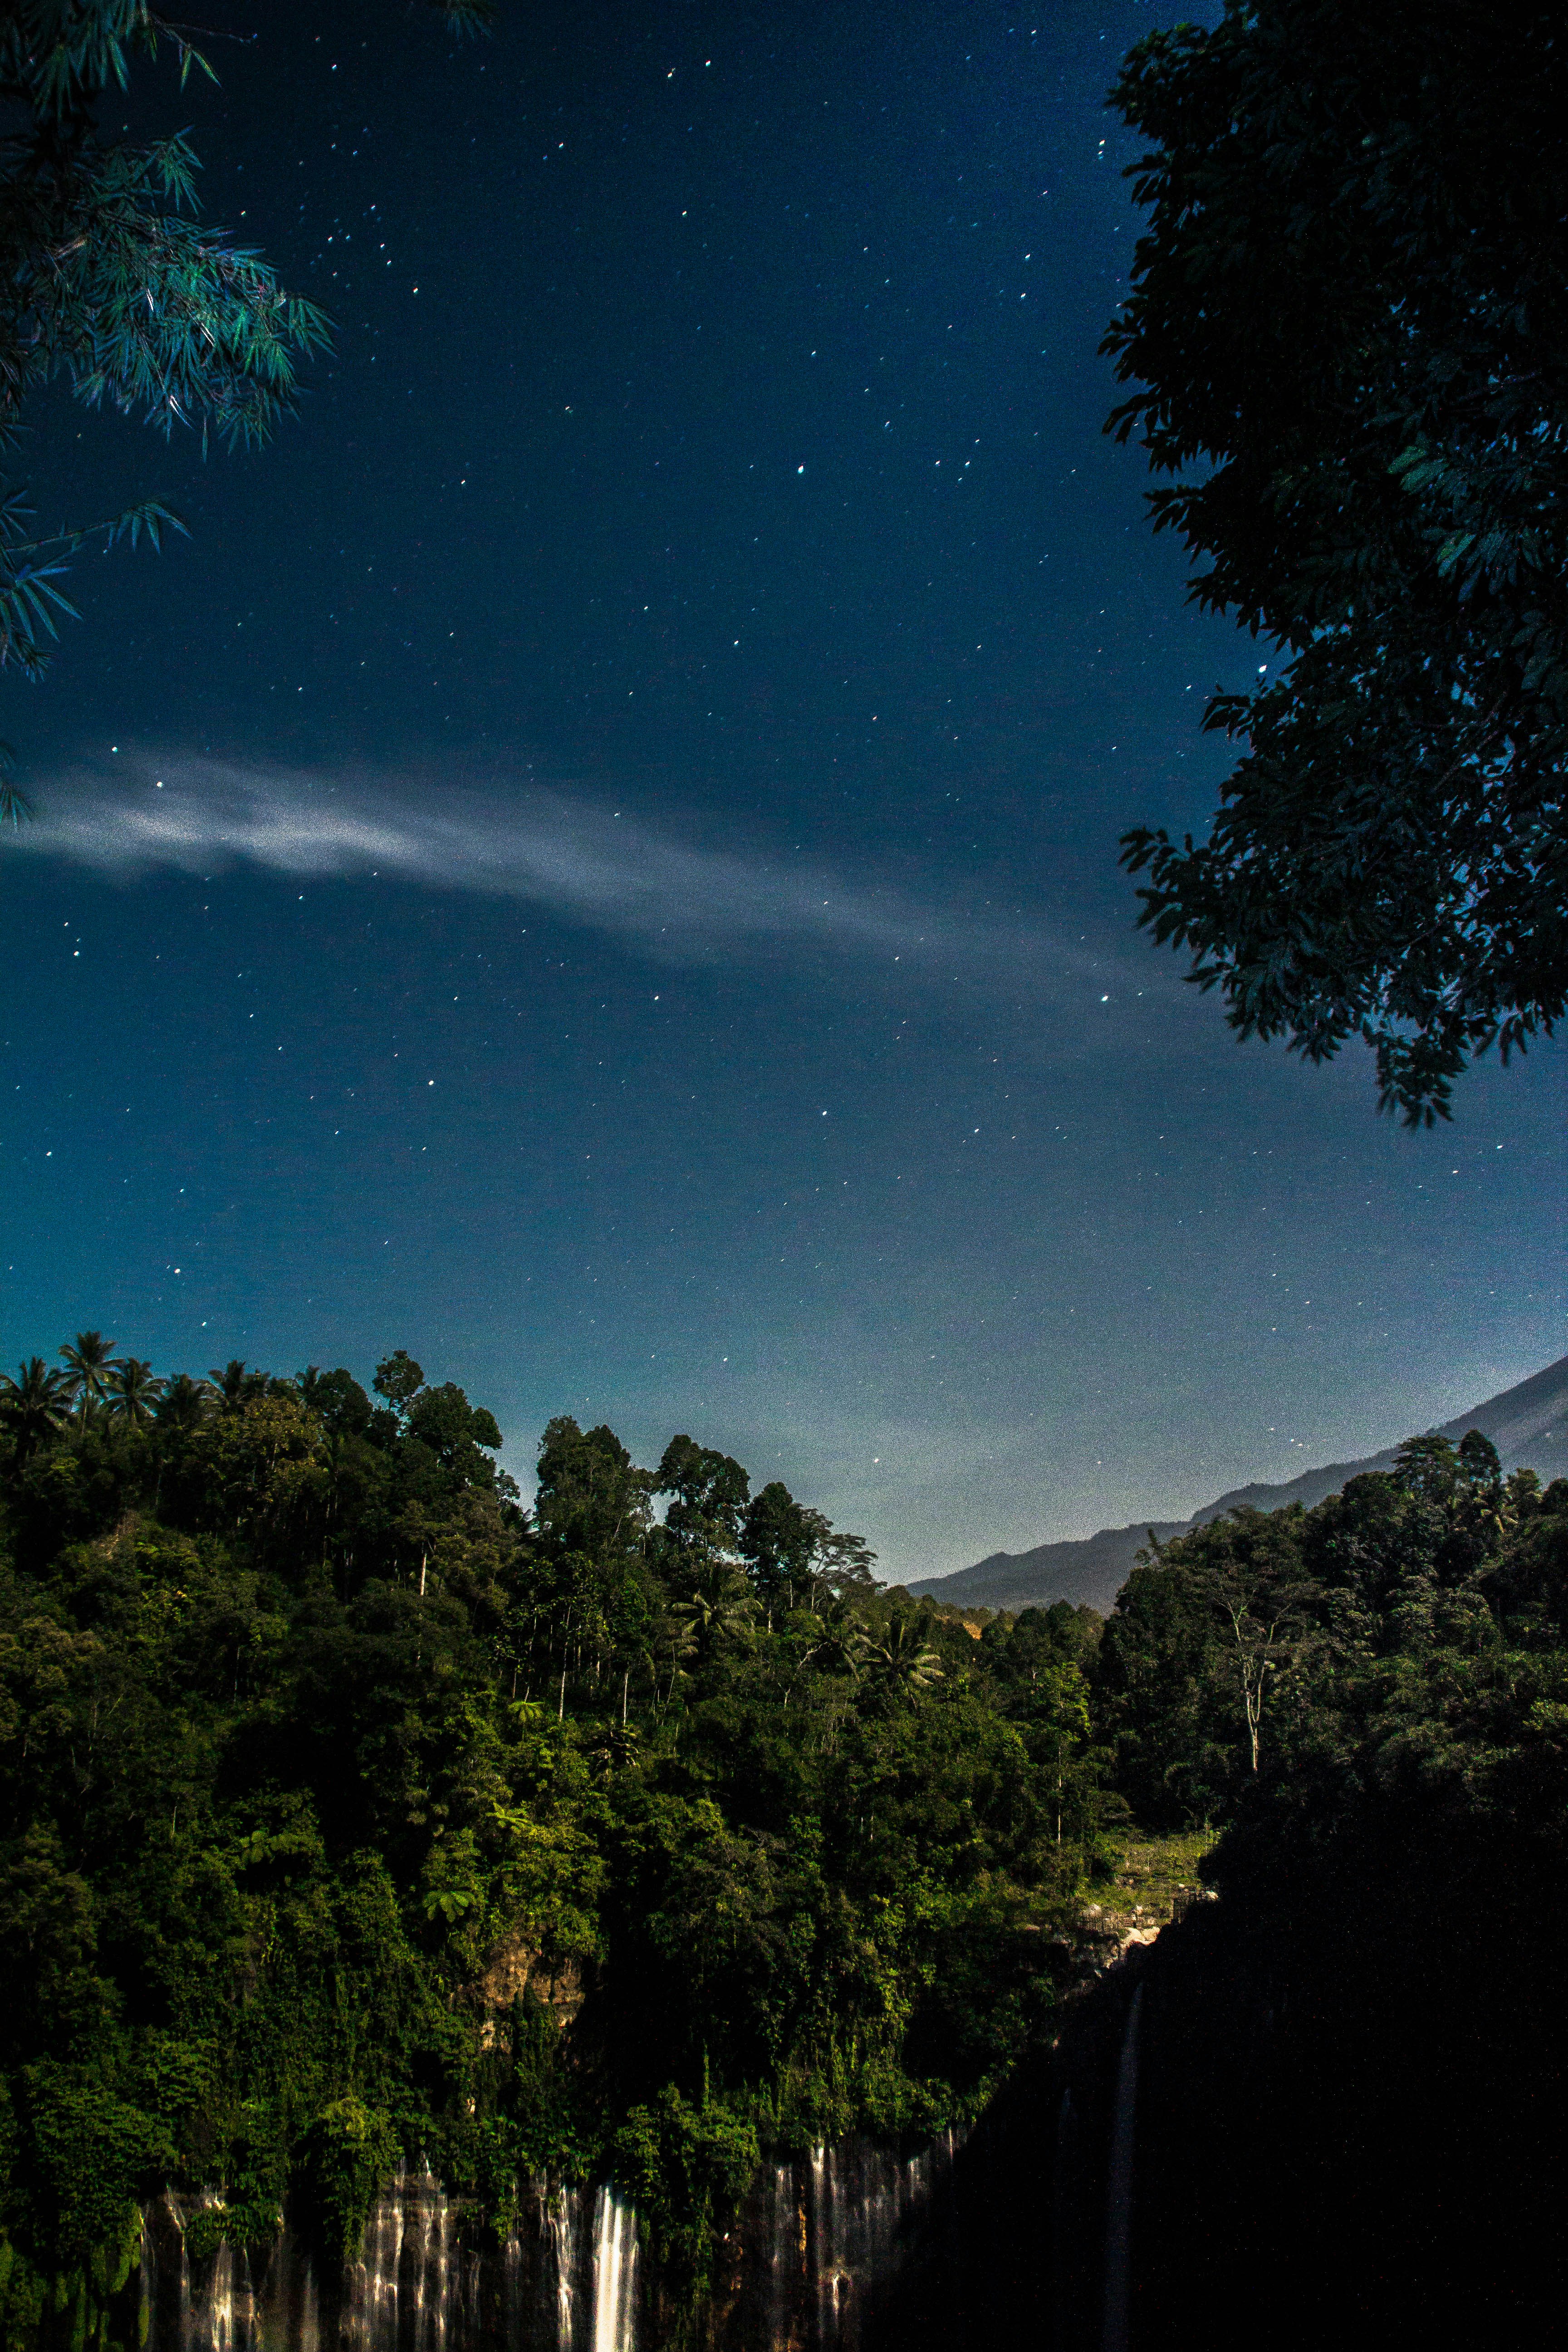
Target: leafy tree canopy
x,y
1348,329
1246,1658
319,1754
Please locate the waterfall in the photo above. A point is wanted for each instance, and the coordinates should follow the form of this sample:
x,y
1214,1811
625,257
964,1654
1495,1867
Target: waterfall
x,y
286,2302
614,2275
824,2216
786,2242
371,2320
215,2316
560,2220
432,2294
400,2295
808,2264
1119,2187
178,2211
220,2300
840,2235
149,2314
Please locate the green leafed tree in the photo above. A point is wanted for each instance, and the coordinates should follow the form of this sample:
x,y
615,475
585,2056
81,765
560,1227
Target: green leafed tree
x,y
89,1363
111,282
33,1405
1347,340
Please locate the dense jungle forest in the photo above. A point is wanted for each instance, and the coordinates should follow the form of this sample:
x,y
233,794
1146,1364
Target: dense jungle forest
x,y
355,1812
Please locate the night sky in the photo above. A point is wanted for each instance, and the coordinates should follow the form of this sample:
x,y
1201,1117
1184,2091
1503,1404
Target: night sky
x,y
596,861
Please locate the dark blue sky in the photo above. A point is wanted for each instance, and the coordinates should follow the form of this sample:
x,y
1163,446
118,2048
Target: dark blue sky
x,y
596,861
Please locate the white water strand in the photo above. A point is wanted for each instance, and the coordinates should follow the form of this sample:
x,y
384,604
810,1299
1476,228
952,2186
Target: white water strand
x,y
614,2275
308,2331
220,2329
857,2220
177,2208
371,2317
831,2278
432,2294
787,2249
217,2317
147,2329
401,2290
1118,2188
562,2227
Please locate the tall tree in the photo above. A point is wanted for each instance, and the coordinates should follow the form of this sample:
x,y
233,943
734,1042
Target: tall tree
x,y
709,1492
35,1403
1348,324
134,1393
399,1380
185,1404
89,1365
898,1663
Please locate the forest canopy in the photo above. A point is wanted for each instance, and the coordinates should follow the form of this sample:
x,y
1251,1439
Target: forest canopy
x,y
353,1812
350,1808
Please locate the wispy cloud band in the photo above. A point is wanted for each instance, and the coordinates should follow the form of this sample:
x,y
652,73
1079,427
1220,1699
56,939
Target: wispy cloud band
x,y
578,860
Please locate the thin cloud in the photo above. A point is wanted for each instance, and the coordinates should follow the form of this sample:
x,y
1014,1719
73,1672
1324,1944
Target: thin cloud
x,y
579,861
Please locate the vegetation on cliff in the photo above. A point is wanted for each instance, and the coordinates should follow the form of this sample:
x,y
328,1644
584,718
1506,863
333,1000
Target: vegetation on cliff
x,y
337,1784
353,1812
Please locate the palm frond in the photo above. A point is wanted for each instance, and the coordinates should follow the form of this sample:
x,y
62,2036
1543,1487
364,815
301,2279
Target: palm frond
x,y
465,18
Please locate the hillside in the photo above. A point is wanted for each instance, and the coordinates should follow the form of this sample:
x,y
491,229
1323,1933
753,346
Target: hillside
x,y
1527,1424
354,1818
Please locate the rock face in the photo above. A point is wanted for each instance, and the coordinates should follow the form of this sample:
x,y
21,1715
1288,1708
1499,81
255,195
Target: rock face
x,y
511,1968
565,2281
1329,2104
1315,2127
820,2245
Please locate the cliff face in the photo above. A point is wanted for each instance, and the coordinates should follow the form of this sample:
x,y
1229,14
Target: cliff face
x,y
809,2264
1325,2109
1328,2119
567,2279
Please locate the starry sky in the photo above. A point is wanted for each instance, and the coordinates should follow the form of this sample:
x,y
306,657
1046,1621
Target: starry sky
x,y
596,862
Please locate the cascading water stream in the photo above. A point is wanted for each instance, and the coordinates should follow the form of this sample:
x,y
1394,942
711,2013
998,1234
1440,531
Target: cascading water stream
x,y
614,2275
806,2266
371,2321
221,2301
178,2210
1118,2274
562,2227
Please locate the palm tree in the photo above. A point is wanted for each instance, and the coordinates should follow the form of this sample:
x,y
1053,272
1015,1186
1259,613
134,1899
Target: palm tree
x,y
673,1642
35,1406
236,1384
901,1664
836,1639
185,1404
718,1607
89,1365
134,1393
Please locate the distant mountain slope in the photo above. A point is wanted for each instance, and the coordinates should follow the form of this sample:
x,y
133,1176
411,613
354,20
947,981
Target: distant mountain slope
x,y
1528,1425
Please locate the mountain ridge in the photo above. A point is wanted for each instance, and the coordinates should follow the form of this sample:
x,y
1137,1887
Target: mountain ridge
x,y
1528,1423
